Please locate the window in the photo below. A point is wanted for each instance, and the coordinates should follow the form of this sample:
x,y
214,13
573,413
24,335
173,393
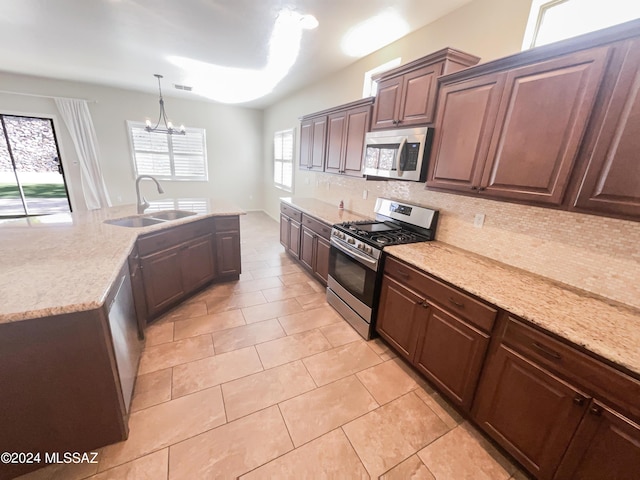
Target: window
x,y
169,157
370,88
554,20
283,159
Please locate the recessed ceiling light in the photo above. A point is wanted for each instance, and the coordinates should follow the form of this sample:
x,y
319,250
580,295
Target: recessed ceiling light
x,y
308,22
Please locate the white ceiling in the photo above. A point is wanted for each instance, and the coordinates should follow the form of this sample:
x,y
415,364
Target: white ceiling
x,y
122,43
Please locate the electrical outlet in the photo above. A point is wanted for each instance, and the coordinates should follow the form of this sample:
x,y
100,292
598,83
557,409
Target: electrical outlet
x,y
365,194
478,221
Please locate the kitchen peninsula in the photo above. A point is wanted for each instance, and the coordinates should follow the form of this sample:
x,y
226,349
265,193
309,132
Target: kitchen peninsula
x,y
71,319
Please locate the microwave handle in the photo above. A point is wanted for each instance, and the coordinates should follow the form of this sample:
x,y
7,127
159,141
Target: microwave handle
x,y
401,148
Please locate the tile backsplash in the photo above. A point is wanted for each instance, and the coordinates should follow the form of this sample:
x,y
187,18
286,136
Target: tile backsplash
x,y
597,254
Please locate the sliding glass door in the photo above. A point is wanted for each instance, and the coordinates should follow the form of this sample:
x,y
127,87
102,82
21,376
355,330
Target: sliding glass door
x,y
31,176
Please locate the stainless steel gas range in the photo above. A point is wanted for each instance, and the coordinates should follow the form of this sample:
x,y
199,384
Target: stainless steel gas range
x,y
355,259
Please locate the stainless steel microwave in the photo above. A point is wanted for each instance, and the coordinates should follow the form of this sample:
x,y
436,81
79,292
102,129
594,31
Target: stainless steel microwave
x,y
398,154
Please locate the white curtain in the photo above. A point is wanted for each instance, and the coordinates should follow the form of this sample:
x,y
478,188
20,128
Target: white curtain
x,y
77,118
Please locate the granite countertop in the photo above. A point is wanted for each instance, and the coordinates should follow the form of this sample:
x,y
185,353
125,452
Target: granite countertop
x,y
604,327
324,211
65,263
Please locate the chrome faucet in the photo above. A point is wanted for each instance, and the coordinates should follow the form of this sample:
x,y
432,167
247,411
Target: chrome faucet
x,y
142,202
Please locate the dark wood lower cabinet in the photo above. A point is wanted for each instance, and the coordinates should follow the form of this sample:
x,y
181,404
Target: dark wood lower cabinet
x,y
197,262
400,313
450,353
163,282
606,446
307,239
227,248
529,411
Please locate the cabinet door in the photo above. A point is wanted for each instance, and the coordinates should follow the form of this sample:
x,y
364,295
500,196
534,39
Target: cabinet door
x,y
542,118
306,140
611,183
399,316
386,109
606,445
451,353
322,259
294,238
356,128
198,266
335,142
318,143
307,240
466,116
228,254
419,96
528,410
162,274
285,230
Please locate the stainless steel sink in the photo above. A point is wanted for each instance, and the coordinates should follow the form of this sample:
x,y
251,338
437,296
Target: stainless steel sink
x,y
150,218
134,222
170,214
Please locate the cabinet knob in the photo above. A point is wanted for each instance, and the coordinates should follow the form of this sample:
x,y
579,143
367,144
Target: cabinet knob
x,y
474,188
578,400
482,189
596,410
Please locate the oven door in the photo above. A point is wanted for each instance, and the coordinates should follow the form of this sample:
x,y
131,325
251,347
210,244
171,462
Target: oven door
x,y
352,276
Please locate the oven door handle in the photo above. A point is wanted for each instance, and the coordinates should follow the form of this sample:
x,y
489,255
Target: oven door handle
x,y
366,261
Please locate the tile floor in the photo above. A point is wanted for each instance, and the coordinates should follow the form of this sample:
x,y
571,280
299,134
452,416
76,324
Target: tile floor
x,y
261,379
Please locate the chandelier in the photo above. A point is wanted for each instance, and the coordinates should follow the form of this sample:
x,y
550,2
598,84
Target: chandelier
x,y
168,126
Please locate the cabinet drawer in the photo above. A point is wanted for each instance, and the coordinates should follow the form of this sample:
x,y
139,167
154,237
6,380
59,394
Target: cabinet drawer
x,y
317,226
291,212
479,314
594,376
227,224
173,236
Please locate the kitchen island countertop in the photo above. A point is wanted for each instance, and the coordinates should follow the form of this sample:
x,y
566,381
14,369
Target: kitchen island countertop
x,y
606,328
65,263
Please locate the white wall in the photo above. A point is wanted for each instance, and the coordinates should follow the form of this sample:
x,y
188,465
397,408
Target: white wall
x,y
234,134
489,29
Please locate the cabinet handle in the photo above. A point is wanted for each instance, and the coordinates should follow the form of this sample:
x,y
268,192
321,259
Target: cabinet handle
x,y
425,304
578,400
402,274
474,188
596,410
457,304
546,351
482,189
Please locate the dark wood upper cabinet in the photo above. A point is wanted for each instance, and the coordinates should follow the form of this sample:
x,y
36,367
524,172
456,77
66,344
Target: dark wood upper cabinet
x,y
557,126
407,95
611,182
466,116
313,133
542,118
515,134
387,106
346,129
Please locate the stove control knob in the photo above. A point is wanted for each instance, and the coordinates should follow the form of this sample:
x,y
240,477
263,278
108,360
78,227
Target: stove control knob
x,y
351,241
368,249
343,236
360,246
